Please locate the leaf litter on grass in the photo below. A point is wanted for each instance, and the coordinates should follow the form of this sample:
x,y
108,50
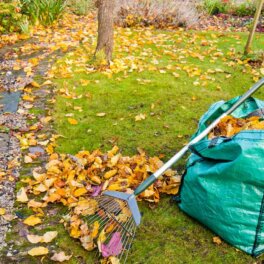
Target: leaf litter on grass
x,y
74,180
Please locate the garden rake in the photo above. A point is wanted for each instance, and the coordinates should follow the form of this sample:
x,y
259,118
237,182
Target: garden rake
x,y
118,213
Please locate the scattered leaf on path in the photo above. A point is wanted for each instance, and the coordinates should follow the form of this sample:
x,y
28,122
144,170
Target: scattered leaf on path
x,y
60,257
28,159
35,84
2,211
34,239
22,196
32,220
38,251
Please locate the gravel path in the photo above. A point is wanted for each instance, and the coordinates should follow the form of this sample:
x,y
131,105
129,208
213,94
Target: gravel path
x,y
20,63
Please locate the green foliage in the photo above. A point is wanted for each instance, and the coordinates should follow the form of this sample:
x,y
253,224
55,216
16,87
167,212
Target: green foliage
x,y
80,7
256,57
44,12
10,17
214,7
24,25
247,8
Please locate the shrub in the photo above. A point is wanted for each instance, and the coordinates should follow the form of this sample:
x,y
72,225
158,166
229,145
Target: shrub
x,y
24,25
162,13
44,12
10,17
234,7
214,7
80,7
247,8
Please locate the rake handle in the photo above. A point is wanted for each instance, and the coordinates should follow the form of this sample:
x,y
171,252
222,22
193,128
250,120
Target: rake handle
x,y
150,180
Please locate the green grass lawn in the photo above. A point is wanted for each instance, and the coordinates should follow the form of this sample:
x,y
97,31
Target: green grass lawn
x,y
172,106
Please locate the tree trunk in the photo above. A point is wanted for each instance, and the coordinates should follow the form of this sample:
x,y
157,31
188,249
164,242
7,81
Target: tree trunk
x,y
105,40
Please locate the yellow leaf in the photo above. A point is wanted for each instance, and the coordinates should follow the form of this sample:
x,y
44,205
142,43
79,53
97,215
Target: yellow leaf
x,y
140,117
28,98
101,114
217,240
75,232
2,211
32,220
84,82
40,188
79,192
34,204
114,260
22,196
115,159
95,179
28,159
48,82
72,121
38,251
37,176
110,174
46,119
16,68
86,207
95,231
35,84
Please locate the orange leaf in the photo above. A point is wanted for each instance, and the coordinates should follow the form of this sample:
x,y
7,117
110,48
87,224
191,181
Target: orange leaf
x,y
72,121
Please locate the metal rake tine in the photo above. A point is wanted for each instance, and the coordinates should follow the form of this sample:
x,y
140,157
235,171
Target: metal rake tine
x,y
107,219
117,224
127,238
119,229
114,221
98,253
94,216
132,239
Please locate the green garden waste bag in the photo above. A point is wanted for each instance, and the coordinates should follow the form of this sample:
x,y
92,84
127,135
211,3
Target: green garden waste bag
x,y
223,185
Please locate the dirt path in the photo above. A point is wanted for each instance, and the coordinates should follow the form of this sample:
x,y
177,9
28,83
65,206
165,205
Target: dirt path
x,y
23,66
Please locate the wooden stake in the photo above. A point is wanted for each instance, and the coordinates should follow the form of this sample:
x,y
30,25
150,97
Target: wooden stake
x,y
254,25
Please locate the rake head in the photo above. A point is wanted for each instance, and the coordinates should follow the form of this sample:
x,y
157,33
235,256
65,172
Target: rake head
x,y
117,218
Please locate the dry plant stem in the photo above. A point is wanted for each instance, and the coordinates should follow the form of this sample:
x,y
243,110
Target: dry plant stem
x,y
105,39
253,28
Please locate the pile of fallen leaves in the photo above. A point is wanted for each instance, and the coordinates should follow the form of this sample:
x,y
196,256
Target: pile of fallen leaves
x,y
75,180
230,126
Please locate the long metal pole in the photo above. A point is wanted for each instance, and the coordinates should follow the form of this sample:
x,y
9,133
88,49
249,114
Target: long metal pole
x,y
204,133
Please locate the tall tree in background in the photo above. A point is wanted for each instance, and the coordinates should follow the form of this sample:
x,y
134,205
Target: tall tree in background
x,y
105,40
